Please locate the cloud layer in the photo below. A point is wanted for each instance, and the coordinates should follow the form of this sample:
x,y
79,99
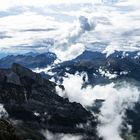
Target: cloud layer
x,y
118,98
113,111
26,25
85,96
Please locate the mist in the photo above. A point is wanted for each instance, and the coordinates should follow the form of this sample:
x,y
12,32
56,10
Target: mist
x,y
117,99
113,111
51,136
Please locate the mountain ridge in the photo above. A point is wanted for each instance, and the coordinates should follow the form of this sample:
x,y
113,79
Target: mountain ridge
x,y
32,100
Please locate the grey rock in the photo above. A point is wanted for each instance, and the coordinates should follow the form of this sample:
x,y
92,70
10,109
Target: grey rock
x,y
13,78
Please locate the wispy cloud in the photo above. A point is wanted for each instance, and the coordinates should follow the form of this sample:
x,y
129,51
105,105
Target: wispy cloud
x,y
50,136
117,99
113,111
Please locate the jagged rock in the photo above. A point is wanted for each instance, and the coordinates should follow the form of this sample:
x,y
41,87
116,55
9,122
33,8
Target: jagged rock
x,y
34,102
13,78
23,72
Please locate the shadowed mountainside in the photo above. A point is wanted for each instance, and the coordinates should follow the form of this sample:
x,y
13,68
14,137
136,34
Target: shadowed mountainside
x,y
101,69
31,101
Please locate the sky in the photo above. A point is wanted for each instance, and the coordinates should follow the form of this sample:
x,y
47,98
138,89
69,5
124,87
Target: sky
x,y
68,27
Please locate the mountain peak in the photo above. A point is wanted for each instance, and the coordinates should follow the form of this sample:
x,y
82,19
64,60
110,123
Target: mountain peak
x,y
36,95
90,55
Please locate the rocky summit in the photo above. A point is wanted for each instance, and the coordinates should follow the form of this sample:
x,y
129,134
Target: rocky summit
x,y
32,106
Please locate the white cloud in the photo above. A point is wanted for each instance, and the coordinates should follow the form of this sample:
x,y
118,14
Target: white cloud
x,y
85,96
117,100
50,136
108,23
113,111
10,3
107,74
19,37
71,52
3,112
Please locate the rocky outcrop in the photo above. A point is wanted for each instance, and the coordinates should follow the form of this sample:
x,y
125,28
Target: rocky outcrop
x,y
7,131
32,101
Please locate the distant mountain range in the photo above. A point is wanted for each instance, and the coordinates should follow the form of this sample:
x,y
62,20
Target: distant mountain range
x,y
30,60
102,69
31,100
99,68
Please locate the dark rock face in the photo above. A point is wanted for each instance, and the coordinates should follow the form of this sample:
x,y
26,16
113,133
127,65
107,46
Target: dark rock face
x,y
30,61
7,131
32,100
133,118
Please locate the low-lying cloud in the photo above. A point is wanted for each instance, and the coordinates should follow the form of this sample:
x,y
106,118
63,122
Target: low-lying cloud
x,y
85,96
117,99
113,111
51,136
